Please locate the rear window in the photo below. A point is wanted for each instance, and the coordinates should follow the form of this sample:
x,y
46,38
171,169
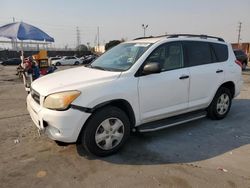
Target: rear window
x,y
221,52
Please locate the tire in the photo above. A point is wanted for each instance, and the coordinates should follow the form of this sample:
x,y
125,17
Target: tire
x,y
58,64
76,63
218,109
244,66
111,138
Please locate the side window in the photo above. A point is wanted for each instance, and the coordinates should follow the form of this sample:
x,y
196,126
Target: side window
x,y
221,51
170,56
198,53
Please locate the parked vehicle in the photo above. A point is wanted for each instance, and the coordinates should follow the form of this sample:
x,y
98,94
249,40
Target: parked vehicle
x,y
66,60
2,59
12,61
143,85
88,59
242,57
51,59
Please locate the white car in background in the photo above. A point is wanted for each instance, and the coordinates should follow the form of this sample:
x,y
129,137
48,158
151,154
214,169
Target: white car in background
x,y
66,60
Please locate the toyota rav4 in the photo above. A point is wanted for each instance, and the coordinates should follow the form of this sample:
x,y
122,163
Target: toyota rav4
x,y
143,85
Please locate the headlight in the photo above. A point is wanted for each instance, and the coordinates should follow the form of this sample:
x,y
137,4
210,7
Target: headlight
x,y
60,101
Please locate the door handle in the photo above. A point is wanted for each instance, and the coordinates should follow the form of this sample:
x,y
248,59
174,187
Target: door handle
x,y
183,77
219,71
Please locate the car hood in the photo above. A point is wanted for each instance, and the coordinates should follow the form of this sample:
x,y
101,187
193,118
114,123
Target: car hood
x,y
71,79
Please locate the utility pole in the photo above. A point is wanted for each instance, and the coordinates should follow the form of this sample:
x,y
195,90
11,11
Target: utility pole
x,y
239,33
78,39
98,39
144,27
13,41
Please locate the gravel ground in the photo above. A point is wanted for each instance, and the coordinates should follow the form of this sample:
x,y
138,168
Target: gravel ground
x,y
203,153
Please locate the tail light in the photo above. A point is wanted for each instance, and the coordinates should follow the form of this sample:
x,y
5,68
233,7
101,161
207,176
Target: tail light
x,y
238,63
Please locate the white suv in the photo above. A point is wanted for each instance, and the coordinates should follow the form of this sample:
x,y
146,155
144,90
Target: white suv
x,y
143,85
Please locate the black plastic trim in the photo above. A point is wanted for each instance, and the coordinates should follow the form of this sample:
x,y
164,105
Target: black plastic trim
x,y
184,77
83,109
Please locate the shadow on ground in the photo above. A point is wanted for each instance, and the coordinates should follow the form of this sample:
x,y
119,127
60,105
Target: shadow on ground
x,y
195,141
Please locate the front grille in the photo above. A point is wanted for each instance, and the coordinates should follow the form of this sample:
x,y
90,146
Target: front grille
x,y
35,95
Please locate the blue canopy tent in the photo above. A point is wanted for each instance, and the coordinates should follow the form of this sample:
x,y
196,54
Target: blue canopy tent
x,y
24,31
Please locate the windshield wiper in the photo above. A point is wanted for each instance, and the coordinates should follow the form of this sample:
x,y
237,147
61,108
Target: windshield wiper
x,y
102,68
97,67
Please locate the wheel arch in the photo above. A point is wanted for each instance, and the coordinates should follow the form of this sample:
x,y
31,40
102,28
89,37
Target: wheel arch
x,y
229,85
123,105
119,103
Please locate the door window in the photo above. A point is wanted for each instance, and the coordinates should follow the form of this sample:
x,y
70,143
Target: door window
x,y
170,56
199,53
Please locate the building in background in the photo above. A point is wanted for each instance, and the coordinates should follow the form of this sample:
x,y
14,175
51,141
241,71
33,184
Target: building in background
x,y
100,49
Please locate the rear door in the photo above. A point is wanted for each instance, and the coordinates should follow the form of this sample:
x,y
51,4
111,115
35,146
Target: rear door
x,y
206,73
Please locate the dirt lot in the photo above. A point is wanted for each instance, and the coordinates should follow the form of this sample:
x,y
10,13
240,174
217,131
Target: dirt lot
x,y
202,153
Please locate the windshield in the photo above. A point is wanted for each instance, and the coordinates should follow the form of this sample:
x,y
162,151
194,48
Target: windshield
x,y
121,57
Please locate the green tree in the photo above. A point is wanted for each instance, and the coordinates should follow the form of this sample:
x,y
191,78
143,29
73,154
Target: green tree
x,y
111,44
82,48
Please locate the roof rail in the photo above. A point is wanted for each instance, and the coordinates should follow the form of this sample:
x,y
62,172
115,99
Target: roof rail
x,y
144,38
192,35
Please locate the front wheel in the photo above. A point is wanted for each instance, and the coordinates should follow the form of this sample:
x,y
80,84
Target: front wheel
x,y
76,63
221,104
106,131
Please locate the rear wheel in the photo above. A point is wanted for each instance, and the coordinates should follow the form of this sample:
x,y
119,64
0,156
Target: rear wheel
x,y
106,131
221,104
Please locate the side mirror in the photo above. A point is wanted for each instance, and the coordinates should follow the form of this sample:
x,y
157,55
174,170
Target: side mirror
x,y
151,68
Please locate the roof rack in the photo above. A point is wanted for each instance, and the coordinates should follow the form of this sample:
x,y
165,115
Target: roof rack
x,y
192,35
144,38
183,35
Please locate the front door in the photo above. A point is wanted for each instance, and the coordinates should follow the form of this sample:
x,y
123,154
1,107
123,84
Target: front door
x,y
166,93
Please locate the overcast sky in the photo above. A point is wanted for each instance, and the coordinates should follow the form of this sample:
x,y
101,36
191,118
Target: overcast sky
x,y
123,18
